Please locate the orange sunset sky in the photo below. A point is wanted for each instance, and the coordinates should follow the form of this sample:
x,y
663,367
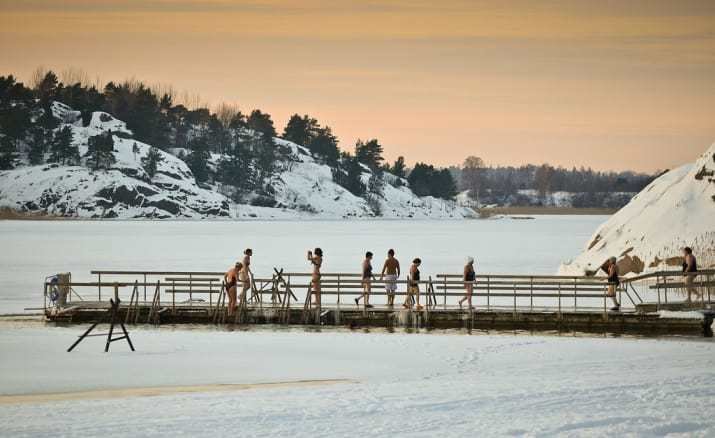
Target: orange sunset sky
x,y
608,84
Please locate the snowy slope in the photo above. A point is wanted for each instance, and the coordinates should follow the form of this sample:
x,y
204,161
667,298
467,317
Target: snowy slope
x,y
303,189
675,210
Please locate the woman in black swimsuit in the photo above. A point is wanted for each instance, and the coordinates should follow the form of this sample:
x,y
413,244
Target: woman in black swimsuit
x,y
468,278
690,270
366,280
413,287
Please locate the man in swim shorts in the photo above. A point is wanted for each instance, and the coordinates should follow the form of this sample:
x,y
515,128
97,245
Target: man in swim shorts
x,y
390,273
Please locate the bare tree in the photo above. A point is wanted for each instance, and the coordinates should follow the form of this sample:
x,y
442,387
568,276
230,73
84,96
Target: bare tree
x,y
37,76
472,178
225,112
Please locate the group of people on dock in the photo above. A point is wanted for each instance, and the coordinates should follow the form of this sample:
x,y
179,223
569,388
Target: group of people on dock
x,y
390,273
690,271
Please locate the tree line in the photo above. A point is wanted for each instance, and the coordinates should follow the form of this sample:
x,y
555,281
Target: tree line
x,y
505,185
248,155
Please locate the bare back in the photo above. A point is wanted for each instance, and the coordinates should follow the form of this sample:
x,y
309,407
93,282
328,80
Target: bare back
x,y
391,266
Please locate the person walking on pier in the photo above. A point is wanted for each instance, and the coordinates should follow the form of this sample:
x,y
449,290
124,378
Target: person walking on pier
x,y
390,272
230,280
316,259
413,286
611,269
366,281
690,271
469,277
245,274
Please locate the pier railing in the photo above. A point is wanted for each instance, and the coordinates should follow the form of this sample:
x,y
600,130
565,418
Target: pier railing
x,y
167,290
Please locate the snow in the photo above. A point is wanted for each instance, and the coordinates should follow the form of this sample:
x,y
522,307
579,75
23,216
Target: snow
x,y
36,249
680,315
674,211
399,384
303,189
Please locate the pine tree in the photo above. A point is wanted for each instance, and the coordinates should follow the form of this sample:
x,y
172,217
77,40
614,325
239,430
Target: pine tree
x,y
61,148
369,153
135,151
100,151
198,158
399,169
261,123
151,161
47,88
7,153
38,146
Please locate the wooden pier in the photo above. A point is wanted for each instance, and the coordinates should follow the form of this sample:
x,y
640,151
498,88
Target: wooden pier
x,y
508,302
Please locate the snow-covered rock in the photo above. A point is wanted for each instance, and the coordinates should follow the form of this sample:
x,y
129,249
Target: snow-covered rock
x,y
674,211
302,188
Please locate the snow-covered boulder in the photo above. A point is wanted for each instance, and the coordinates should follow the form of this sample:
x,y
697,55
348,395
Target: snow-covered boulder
x,y
674,211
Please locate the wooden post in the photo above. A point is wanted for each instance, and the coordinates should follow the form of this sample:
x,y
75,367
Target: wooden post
x,y
488,289
445,292
575,294
145,287
99,285
531,293
559,300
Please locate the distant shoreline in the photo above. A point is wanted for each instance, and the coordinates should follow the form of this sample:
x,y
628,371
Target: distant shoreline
x,y
488,212
11,214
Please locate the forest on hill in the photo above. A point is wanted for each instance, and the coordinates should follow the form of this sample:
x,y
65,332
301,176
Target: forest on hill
x,y
240,150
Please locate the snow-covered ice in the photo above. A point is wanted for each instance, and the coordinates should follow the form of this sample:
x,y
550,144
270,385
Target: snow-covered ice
x,y
33,250
400,384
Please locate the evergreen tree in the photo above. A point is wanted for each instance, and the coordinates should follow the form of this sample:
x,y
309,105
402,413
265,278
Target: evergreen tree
x,y
399,169
236,170
7,153
100,151
198,159
38,146
47,88
302,130
349,175
325,145
151,161
61,148
135,151
261,123
369,153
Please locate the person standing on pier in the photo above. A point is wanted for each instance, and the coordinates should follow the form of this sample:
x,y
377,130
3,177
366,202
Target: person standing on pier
x,y
390,272
366,280
468,278
230,280
413,286
245,274
316,259
690,270
611,269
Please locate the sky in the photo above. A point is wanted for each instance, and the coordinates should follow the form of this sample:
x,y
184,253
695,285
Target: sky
x,y
610,84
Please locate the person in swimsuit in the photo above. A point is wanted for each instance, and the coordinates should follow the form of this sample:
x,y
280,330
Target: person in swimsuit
x,y
413,287
611,269
316,259
690,271
245,274
468,278
366,280
390,272
230,280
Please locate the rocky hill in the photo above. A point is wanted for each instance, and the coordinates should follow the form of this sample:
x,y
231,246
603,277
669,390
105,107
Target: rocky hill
x,y
674,211
303,187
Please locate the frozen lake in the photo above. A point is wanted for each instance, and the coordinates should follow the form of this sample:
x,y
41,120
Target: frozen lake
x,y
393,384
32,250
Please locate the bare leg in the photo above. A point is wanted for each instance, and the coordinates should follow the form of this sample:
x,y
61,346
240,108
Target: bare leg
x,y
231,300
